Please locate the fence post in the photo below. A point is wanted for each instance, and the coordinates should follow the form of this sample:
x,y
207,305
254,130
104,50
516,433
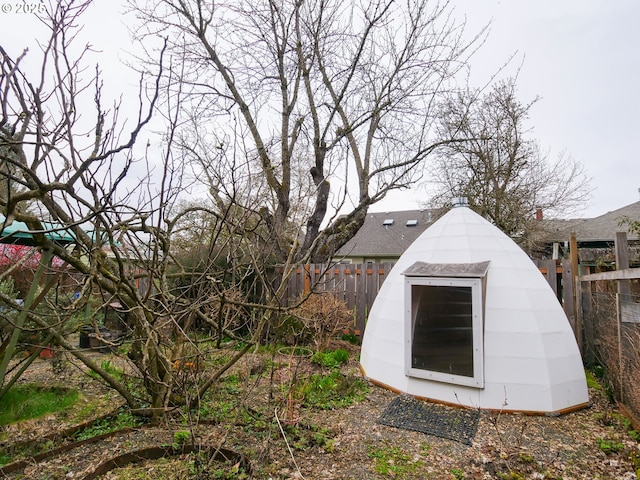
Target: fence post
x,y
620,355
552,277
307,279
622,261
361,297
568,280
575,272
585,320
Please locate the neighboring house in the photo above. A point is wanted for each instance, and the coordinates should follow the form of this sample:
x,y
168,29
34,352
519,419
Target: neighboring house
x,y
384,236
595,237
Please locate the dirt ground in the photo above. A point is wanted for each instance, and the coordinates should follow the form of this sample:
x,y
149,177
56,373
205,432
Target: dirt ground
x,y
592,443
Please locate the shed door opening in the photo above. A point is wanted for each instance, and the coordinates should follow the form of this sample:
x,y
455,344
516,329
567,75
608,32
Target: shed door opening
x,y
444,322
443,329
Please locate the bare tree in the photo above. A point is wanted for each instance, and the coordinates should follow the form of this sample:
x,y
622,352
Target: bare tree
x,y
498,166
327,96
96,207
282,110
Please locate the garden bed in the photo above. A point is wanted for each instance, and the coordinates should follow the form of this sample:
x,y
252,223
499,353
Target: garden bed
x,y
340,441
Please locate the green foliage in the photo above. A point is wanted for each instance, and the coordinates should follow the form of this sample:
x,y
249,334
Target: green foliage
x,y
392,461
305,437
458,473
23,402
334,390
634,456
290,330
525,458
231,384
633,226
7,286
234,472
599,371
609,446
295,352
617,420
122,420
181,437
113,370
352,338
509,476
217,411
331,359
323,439
592,381
597,379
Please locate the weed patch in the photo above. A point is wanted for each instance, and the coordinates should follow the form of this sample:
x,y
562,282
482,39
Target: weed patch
x,y
109,424
110,368
458,473
609,446
334,390
392,461
331,359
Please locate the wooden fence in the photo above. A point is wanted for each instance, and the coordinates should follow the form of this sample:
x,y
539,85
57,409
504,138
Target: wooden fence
x,y
355,284
611,333
358,284
609,317
559,275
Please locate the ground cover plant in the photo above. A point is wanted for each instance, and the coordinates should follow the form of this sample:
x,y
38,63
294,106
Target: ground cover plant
x,y
393,461
24,402
336,435
331,358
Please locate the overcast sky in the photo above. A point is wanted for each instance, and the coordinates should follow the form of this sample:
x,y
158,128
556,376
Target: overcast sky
x,y
580,56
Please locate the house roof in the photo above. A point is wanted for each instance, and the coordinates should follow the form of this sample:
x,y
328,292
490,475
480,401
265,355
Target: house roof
x,y
388,234
602,228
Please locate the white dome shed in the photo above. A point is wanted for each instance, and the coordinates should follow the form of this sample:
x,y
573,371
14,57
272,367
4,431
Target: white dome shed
x,y
466,318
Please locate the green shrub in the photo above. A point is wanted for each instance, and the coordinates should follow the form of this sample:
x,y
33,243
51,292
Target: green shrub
x,y
352,338
181,437
331,359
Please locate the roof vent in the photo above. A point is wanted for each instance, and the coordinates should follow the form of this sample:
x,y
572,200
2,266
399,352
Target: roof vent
x,y
460,202
412,223
388,222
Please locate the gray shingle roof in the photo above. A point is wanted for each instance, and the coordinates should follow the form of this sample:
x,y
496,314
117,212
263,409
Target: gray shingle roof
x,y
374,239
602,228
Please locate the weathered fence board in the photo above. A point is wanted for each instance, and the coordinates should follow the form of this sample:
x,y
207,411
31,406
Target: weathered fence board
x,y
358,284
355,284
